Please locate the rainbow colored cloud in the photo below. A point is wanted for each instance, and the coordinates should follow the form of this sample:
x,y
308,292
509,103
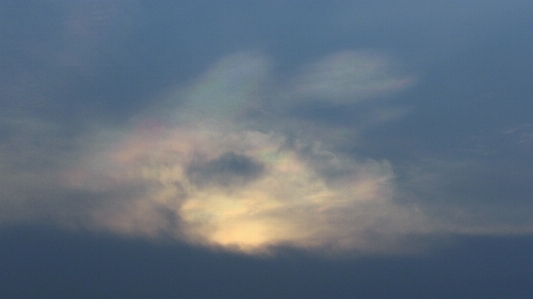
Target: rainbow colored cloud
x,y
211,179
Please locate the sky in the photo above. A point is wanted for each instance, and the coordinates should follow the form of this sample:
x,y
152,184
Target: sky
x,y
266,149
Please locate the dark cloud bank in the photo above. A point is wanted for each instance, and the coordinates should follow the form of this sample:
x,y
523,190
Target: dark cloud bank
x,y
45,263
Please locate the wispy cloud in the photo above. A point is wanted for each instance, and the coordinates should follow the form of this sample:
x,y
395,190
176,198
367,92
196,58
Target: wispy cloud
x,y
253,185
219,163
350,76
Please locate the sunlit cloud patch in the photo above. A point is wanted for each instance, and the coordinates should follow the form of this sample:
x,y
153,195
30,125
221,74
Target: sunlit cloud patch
x,y
246,190
220,161
211,180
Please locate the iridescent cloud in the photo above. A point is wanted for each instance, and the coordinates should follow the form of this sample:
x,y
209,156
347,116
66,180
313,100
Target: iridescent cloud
x,y
222,162
246,190
212,180
219,162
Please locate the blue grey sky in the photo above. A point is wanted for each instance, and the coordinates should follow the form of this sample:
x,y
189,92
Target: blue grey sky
x,y
289,149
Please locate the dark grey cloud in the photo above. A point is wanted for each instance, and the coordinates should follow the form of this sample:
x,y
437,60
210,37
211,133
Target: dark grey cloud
x,y
83,265
228,170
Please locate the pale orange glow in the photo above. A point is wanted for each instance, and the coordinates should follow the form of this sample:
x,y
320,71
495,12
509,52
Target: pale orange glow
x,y
289,203
232,186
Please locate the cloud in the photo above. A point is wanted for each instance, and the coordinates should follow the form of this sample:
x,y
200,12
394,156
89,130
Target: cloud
x,y
228,169
219,163
249,190
349,77
254,184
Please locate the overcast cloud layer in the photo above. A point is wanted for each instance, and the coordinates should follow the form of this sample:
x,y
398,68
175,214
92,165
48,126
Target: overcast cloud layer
x,y
352,139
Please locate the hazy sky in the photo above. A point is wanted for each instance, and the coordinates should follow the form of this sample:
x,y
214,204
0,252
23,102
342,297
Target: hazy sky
x,y
266,149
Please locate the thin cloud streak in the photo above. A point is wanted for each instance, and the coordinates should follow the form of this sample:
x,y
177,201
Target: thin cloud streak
x,y
350,76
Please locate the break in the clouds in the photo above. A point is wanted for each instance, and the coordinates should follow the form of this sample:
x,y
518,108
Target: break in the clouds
x,y
222,161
